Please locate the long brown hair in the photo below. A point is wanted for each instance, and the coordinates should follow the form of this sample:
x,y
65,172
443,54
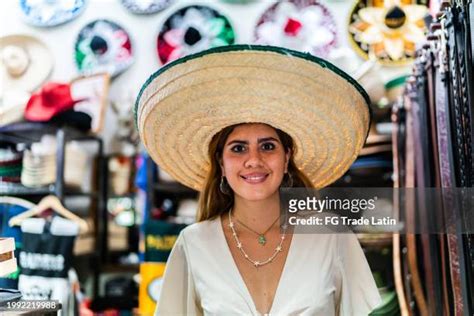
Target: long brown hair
x,y
212,202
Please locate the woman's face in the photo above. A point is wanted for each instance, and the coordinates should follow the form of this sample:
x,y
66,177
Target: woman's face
x,y
254,161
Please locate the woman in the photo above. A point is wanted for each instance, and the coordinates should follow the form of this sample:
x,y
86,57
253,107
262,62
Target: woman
x,y
237,123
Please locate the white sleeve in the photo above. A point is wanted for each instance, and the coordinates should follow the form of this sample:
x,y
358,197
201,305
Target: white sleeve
x,y
357,294
178,296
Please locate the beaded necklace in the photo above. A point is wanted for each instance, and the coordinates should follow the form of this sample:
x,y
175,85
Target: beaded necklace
x,y
256,263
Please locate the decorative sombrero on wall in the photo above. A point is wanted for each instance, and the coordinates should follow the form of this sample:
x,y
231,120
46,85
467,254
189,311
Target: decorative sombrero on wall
x,y
146,6
303,25
103,46
193,29
185,103
387,30
47,13
25,63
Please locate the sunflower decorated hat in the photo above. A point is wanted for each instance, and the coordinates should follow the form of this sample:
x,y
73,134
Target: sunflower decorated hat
x,y
186,102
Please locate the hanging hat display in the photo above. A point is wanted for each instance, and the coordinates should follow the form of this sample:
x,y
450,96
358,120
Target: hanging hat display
x,y
47,13
103,46
302,25
387,30
193,29
146,6
25,62
52,99
12,106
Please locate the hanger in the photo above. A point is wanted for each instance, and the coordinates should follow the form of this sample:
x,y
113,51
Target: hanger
x,y
16,201
50,202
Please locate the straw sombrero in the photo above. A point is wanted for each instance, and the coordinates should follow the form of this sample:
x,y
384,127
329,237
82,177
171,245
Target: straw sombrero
x,y
185,103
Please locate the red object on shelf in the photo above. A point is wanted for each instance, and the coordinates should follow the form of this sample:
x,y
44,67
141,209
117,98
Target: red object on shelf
x,y
53,98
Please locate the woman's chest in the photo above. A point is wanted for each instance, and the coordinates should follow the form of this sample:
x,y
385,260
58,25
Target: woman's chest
x,y
306,285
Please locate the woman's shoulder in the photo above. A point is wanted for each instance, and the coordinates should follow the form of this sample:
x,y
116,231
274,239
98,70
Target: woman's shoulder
x,y
201,230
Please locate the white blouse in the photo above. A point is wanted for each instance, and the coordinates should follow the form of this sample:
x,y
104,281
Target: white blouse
x,y
324,274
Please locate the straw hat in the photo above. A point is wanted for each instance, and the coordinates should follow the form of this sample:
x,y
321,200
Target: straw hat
x,y
185,103
25,62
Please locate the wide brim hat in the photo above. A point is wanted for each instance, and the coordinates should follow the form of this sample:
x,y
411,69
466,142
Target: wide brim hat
x,y
303,25
387,32
47,13
146,7
103,46
39,63
185,103
193,29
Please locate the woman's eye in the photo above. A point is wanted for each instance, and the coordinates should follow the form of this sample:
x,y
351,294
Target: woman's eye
x,y
237,148
268,146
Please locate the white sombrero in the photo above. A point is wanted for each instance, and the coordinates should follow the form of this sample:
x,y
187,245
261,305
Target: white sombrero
x,y
185,103
25,62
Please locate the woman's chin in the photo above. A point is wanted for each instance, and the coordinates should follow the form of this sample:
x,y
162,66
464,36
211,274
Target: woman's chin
x,y
257,195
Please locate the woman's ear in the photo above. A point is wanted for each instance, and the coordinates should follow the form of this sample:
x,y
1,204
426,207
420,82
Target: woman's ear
x,y
221,165
287,159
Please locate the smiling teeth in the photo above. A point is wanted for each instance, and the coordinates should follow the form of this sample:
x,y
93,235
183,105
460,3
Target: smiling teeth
x,y
255,178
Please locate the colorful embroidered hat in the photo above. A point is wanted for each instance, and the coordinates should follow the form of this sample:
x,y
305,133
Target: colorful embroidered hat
x,y
193,29
47,13
103,46
185,103
146,6
302,25
388,30
25,63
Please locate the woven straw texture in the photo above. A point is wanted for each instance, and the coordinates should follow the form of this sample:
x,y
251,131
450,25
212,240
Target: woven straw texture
x,y
180,109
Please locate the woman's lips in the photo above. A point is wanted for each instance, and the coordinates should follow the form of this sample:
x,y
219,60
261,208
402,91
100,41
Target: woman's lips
x,y
254,178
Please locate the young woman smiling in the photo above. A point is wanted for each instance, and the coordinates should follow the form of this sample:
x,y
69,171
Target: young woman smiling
x,y
237,123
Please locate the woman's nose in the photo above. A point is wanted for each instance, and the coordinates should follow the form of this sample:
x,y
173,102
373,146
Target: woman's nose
x,y
254,159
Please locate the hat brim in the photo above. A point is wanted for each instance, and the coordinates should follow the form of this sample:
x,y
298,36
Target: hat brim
x,y
39,68
185,103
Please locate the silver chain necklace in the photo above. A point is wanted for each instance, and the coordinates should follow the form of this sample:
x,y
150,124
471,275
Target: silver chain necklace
x,y
256,263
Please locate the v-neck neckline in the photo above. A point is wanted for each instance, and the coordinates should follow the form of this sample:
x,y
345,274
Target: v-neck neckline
x,y
239,278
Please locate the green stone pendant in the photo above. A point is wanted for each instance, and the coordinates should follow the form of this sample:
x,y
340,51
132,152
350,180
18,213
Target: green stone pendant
x,y
262,240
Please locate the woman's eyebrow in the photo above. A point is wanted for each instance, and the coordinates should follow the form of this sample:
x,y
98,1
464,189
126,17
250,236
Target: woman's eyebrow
x,y
260,140
237,141
266,139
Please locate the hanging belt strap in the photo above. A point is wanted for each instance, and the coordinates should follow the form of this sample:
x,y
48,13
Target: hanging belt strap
x,y
410,204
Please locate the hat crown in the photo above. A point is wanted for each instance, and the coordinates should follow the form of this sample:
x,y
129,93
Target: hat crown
x,y
15,59
52,93
98,45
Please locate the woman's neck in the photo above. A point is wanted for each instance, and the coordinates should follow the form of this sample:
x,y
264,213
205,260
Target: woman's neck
x,y
258,214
